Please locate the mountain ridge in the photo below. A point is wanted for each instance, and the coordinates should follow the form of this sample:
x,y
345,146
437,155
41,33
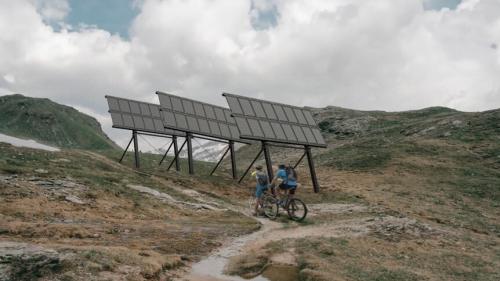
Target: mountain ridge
x,y
51,123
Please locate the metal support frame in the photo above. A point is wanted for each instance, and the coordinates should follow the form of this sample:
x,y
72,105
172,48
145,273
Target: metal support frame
x,y
154,135
311,169
284,146
265,149
189,139
269,164
220,161
136,149
210,139
135,139
300,160
166,152
125,151
176,157
233,160
176,153
251,164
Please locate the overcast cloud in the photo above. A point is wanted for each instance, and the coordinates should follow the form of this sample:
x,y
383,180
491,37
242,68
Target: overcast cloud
x,y
384,54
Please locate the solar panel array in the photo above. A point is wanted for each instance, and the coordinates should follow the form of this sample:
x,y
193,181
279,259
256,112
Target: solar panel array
x,y
139,116
197,117
262,120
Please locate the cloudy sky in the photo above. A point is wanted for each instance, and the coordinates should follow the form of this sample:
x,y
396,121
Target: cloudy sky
x,y
383,54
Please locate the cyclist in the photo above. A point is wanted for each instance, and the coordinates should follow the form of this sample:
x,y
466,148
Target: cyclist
x,y
286,178
262,181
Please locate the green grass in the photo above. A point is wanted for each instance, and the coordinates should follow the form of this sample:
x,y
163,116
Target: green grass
x,y
51,123
361,155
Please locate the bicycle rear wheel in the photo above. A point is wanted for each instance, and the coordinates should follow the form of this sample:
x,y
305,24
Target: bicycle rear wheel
x,y
270,207
296,209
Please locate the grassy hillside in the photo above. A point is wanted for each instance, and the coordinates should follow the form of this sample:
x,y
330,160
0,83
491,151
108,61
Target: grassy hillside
x,y
50,123
404,196
460,151
438,166
79,215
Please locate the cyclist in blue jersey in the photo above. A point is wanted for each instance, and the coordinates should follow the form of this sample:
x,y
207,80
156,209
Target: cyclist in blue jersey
x,y
286,179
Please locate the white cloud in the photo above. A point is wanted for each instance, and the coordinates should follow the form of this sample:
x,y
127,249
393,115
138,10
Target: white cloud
x,y
389,55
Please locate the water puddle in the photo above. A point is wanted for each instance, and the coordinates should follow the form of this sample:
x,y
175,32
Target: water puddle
x,y
26,143
212,267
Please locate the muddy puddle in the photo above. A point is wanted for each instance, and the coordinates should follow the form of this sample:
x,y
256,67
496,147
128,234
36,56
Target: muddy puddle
x,y
212,267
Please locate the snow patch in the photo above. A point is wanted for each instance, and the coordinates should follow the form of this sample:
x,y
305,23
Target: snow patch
x,y
26,143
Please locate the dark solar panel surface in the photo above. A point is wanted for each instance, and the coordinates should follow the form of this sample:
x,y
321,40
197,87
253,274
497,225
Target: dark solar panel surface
x,y
197,117
139,116
263,120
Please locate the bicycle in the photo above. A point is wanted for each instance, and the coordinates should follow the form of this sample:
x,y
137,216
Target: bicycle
x,y
295,208
268,205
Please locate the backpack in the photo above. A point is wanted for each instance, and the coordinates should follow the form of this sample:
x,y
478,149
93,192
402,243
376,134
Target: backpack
x,y
262,179
291,175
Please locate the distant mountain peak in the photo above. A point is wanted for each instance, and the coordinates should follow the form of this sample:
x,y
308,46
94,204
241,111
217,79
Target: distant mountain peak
x,y
51,123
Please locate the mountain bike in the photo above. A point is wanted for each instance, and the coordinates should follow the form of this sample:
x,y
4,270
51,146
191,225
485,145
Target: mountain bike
x,y
268,205
295,208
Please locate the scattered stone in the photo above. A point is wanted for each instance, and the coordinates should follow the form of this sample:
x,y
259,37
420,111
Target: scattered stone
x,y
21,261
7,178
155,193
45,183
394,229
74,199
69,184
333,208
61,160
167,198
41,171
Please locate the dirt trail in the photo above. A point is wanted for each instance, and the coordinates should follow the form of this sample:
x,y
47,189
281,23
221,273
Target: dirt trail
x,y
212,267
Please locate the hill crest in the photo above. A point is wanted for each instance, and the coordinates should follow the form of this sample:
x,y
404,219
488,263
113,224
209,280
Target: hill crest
x,y
51,123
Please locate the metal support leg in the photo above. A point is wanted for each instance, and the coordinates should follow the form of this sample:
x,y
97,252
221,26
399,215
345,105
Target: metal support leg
x,y
125,152
220,161
250,166
136,149
176,153
233,160
176,157
189,139
312,170
269,163
300,160
166,152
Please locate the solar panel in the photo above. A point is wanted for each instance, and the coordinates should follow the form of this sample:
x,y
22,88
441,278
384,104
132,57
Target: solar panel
x,y
139,116
197,117
263,120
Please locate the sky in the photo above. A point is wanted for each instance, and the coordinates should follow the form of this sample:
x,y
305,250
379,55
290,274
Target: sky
x,y
372,55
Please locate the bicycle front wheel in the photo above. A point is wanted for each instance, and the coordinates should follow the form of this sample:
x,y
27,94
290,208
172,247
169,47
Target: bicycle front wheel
x,y
270,207
297,210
